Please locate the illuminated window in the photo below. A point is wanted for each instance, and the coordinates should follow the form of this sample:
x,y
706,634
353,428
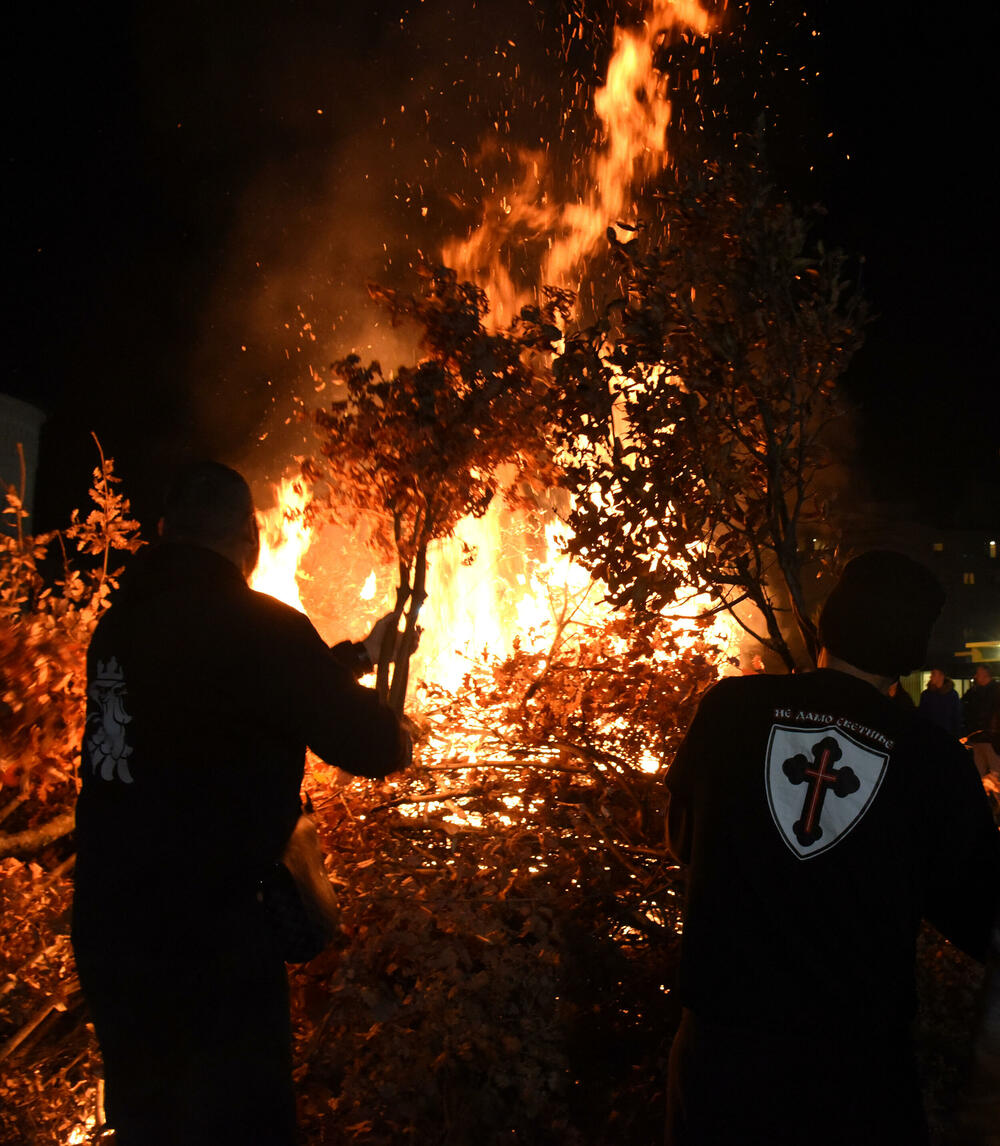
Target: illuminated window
x,y
968,578
938,547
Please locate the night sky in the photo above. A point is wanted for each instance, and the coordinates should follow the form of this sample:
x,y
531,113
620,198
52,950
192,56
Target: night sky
x,y
190,184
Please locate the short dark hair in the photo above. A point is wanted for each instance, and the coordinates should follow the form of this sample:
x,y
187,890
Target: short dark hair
x,y
206,501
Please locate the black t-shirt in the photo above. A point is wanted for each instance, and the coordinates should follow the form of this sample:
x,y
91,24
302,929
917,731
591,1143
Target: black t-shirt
x,y
202,698
826,821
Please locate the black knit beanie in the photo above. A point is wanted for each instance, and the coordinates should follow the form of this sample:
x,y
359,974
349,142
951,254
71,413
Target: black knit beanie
x,y
880,614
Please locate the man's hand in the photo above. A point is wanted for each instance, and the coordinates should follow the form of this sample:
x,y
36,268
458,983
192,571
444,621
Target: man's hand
x,y
373,642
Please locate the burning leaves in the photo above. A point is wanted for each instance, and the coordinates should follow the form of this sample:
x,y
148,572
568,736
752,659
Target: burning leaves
x,y
48,1056
45,625
442,1017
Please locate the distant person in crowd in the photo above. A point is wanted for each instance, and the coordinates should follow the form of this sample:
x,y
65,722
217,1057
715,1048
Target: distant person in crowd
x,y
981,705
900,696
818,821
202,698
939,703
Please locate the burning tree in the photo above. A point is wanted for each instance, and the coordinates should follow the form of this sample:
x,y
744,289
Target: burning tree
x,y
704,424
412,453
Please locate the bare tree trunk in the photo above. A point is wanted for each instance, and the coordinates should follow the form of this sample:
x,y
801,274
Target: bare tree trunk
x,y
385,653
408,641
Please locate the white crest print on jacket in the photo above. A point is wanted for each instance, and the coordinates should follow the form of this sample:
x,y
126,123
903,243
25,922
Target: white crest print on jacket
x,y
107,731
820,782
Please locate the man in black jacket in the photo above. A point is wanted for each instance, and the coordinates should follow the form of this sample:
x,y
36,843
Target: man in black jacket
x,y
820,822
981,702
981,705
202,698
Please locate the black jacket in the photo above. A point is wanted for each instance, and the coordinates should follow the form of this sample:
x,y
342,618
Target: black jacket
x,y
202,698
981,704
941,706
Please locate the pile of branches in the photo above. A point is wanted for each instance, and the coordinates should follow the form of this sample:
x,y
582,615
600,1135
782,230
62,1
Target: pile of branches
x,y
511,911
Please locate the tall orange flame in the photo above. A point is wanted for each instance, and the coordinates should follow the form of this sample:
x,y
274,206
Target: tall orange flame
x,y
514,587
634,111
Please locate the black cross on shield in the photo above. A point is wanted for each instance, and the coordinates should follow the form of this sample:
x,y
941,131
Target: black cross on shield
x,y
820,777
820,781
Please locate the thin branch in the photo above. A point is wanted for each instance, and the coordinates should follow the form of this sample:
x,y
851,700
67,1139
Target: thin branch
x,y
433,798
627,864
19,799
57,1002
106,493
505,764
24,488
34,839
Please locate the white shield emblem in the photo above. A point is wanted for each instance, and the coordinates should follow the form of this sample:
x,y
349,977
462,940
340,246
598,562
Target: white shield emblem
x,y
820,783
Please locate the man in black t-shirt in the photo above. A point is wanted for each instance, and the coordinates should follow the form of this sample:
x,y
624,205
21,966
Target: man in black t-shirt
x,y
820,822
202,698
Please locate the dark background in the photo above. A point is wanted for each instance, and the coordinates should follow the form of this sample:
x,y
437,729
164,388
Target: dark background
x,y
179,210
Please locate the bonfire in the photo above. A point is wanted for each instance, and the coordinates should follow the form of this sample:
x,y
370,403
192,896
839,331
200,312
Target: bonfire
x,y
512,915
